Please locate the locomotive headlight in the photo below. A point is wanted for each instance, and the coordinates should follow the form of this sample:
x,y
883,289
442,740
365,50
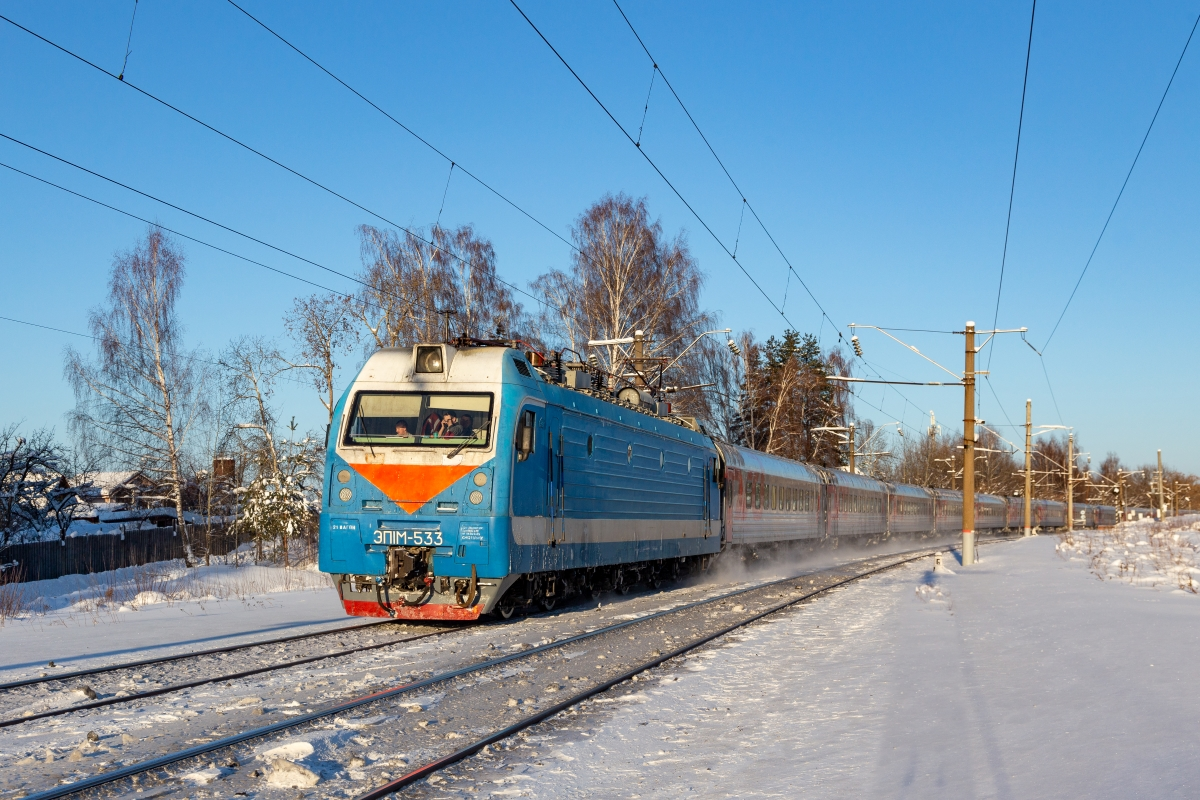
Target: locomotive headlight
x,y
480,478
345,494
429,359
476,497
344,476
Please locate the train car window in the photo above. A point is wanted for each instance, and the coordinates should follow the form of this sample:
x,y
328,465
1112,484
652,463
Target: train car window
x,y
757,494
772,496
423,419
749,494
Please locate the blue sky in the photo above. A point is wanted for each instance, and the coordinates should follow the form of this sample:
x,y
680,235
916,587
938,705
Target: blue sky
x,y
875,140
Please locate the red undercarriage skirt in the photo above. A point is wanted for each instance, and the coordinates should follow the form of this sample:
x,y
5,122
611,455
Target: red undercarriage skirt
x,y
432,611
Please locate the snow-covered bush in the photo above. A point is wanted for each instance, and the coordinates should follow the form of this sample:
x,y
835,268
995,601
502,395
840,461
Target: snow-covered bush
x,y
274,509
1145,553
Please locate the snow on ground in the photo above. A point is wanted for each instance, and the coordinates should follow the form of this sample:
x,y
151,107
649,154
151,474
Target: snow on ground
x,y
160,609
1020,677
1145,553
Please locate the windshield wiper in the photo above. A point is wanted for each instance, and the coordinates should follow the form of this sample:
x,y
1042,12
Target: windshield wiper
x,y
459,449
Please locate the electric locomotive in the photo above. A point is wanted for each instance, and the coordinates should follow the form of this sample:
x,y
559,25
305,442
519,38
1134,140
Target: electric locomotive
x,y
461,480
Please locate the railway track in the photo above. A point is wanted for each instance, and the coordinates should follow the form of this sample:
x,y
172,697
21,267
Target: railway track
x,y
392,738
81,673
86,697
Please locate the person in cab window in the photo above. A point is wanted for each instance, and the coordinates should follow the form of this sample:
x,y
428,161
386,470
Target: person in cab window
x,y
402,430
456,428
431,424
466,425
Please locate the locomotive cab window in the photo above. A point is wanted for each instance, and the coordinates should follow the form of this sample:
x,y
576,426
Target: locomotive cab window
x,y
419,419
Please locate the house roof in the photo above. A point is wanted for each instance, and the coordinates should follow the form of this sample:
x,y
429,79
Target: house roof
x,y
107,482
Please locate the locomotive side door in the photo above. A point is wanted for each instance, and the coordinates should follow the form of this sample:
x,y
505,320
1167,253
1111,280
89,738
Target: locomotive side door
x,y
530,462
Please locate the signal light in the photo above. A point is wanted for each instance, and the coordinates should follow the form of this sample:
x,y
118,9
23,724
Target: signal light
x,y
857,346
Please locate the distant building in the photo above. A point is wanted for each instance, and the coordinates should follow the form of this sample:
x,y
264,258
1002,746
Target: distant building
x,y
130,489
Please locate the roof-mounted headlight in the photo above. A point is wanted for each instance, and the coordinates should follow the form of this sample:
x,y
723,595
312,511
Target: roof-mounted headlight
x,y
429,359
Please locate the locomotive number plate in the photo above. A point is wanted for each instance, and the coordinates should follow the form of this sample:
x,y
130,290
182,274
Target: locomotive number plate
x,y
408,538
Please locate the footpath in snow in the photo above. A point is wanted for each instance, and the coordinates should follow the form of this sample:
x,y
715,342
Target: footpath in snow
x,y
1042,671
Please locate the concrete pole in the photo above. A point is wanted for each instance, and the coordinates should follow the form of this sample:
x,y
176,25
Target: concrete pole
x,y
1070,482
1121,494
1028,465
1162,505
968,509
851,448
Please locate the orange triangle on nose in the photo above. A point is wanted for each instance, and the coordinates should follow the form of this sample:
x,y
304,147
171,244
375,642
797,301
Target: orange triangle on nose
x,y
411,486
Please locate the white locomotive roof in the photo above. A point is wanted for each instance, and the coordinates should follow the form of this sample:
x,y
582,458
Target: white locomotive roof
x,y
469,365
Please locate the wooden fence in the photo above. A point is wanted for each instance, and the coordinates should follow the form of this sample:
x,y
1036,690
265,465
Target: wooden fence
x,y
82,555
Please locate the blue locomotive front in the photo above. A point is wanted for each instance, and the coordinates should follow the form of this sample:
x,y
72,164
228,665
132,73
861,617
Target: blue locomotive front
x,y
462,480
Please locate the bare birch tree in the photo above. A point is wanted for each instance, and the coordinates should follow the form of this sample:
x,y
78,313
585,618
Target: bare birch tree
x,y
142,394
322,329
285,467
250,367
424,291
624,276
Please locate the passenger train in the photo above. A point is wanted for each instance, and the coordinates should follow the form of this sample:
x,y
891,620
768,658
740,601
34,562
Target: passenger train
x,y
474,478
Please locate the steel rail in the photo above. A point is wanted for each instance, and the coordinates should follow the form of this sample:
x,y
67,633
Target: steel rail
x,y
178,687
196,654
435,766
66,790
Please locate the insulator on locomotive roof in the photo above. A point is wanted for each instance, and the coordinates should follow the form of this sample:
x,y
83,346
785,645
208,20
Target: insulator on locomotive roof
x,y
593,361
857,346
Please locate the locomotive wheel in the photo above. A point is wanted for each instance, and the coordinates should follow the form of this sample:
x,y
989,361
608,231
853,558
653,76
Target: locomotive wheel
x,y
625,581
548,603
506,608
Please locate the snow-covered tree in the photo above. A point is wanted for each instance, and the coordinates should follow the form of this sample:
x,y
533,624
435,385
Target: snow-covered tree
x,y
274,508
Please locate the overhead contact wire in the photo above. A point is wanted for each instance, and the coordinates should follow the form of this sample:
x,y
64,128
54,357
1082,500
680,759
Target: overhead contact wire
x,y
1012,188
653,166
259,153
1124,183
405,128
720,163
